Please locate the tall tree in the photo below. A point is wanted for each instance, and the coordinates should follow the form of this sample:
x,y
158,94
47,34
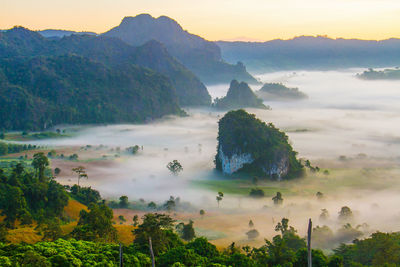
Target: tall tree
x,y
40,162
81,172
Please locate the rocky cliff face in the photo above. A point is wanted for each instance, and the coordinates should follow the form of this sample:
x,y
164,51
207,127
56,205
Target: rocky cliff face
x,y
246,144
233,163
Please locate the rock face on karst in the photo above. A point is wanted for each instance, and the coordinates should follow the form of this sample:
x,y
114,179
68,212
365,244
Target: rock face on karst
x,y
246,144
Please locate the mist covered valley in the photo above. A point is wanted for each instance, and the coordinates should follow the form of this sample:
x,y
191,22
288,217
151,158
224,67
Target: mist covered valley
x,y
348,127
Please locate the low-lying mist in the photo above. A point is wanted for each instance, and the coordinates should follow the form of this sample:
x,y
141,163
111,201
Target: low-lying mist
x,y
347,125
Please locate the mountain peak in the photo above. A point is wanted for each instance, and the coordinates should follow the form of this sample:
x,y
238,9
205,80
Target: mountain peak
x,y
147,19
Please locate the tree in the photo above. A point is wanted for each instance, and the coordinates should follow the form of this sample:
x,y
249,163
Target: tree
x,y
202,212
3,233
345,214
123,202
40,162
186,231
255,180
278,200
170,204
2,135
135,220
57,171
3,149
219,197
13,204
204,248
52,230
159,228
324,215
252,234
81,172
152,205
283,226
95,225
174,167
256,193
318,258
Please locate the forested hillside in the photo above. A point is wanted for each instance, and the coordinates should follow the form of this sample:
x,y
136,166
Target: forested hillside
x,y
43,91
89,79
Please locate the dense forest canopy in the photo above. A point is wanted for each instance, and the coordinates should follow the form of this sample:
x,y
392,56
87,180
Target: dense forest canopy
x,y
89,79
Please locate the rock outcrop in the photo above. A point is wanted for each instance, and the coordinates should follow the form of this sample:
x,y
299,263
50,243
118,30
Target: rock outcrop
x,y
239,96
246,144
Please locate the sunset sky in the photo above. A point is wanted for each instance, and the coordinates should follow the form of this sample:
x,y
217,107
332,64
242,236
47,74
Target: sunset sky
x,y
217,19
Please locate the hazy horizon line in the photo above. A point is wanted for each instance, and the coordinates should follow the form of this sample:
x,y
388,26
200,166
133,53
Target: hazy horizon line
x,y
244,39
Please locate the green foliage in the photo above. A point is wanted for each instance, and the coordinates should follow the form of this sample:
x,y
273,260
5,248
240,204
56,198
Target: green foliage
x,y
174,167
186,231
40,162
318,258
95,225
278,200
69,253
85,195
204,248
378,250
182,255
265,143
159,228
123,202
26,196
133,149
44,91
256,193
52,230
9,148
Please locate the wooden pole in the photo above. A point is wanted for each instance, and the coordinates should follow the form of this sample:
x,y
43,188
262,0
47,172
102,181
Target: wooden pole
x,y
309,243
121,260
151,253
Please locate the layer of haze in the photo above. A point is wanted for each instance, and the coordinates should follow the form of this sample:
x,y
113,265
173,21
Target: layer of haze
x,y
216,20
344,116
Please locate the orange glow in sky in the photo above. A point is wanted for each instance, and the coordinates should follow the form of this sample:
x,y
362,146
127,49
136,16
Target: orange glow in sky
x,y
217,19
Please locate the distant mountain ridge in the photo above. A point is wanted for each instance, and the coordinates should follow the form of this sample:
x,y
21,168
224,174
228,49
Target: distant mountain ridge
x,y
307,52
51,33
199,55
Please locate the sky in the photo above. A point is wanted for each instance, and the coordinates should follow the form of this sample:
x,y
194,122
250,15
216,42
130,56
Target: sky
x,y
217,19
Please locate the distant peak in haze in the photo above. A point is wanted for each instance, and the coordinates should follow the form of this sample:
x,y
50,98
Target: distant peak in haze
x,y
300,39
147,18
